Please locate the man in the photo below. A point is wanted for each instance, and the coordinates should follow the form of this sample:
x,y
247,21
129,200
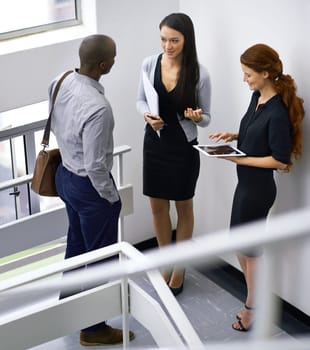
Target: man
x,y
83,124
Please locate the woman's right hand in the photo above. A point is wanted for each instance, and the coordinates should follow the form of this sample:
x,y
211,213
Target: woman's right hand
x,y
154,120
225,136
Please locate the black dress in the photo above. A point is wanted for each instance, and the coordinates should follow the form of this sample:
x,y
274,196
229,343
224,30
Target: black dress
x,y
170,163
263,132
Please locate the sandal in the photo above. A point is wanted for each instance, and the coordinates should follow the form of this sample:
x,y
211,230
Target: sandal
x,y
240,327
239,324
238,317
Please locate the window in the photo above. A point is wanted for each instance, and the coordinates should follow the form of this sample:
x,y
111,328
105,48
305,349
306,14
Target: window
x,y
22,17
17,152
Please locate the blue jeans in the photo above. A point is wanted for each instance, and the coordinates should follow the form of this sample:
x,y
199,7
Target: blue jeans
x,y
93,221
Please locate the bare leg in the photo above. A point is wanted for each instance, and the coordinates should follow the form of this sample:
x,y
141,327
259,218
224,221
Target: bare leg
x,y
249,267
162,225
185,225
242,262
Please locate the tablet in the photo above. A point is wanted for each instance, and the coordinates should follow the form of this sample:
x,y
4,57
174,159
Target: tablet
x,y
220,150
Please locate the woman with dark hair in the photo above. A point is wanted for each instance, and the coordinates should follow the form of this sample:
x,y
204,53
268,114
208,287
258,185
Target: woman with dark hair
x,y
170,163
270,136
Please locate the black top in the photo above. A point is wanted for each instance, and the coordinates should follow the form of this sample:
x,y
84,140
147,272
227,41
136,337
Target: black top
x,y
266,131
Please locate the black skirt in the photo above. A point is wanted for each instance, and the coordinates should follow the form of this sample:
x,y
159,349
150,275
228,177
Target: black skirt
x,y
170,171
254,196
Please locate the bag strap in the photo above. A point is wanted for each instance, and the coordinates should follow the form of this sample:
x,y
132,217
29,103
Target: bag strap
x,y
47,130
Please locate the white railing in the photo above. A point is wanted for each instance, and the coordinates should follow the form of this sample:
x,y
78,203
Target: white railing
x,y
50,225
25,122
282,229
117,153
22,122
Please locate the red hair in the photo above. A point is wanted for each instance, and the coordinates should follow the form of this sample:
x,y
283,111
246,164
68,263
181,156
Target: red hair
x,y
262,58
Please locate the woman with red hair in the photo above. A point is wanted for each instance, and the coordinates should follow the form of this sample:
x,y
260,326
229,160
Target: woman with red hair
x,y
270,136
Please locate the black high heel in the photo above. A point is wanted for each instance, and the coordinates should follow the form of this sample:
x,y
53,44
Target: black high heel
x,y
178,290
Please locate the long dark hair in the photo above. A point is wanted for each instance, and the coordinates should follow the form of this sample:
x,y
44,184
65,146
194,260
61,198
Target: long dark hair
x,y
260,58
189,73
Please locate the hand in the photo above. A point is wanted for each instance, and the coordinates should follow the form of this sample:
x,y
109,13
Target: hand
x,y
225,136
194,115
154,120
232,159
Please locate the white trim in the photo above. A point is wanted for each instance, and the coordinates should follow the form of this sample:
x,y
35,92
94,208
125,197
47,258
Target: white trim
x,y
51,37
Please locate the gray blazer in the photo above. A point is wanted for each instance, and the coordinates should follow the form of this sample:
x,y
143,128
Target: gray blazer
x,y
203,93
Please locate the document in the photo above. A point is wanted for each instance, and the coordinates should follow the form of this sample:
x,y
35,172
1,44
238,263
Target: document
x,y
151,95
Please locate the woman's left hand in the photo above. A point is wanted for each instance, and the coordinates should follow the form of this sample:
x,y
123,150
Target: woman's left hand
x,y
194,114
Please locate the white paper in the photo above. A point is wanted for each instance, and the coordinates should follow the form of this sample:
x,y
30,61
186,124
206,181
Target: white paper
x,y
150,93
151,96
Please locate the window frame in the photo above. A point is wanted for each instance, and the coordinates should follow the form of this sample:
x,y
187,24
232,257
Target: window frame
x,y
45,27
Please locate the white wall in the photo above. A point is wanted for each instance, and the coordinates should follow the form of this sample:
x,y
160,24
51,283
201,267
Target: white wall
x,y
224,30
134,26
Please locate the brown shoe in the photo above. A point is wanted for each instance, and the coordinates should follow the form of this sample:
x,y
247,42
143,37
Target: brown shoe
x,y
104,336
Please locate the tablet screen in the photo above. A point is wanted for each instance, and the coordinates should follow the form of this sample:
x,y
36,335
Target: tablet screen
x,y
219,150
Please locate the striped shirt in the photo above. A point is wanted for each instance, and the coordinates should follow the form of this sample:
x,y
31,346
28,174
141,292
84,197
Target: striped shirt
x,y
83,124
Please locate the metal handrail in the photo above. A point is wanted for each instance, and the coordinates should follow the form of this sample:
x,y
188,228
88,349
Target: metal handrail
x,y
281,228
21,180
34,119
204,248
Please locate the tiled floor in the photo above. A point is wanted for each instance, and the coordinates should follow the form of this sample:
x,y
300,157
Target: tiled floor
x,y
210,308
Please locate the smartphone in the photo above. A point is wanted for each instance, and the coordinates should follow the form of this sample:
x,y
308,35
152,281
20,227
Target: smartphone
x,y
152,117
